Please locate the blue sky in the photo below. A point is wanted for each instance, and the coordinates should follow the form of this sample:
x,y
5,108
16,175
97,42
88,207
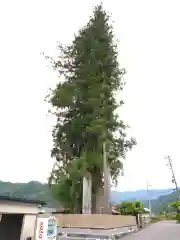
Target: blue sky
x,y
149,50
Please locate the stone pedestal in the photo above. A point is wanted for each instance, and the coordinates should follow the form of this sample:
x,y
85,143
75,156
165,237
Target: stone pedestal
x,y
87,194
101,206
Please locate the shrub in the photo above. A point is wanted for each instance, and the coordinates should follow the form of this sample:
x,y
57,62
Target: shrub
x,y
178,217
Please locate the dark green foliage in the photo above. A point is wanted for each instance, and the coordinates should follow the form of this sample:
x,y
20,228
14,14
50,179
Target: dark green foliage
x,y
85,105
67,188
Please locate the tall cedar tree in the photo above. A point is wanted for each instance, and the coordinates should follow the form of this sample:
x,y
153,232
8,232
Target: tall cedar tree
x,y
85,107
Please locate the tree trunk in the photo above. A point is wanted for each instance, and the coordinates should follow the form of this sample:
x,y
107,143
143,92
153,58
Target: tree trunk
x,y
93,203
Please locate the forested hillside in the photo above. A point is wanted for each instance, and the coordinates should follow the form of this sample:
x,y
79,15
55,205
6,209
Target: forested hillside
x,y
30,190
161,204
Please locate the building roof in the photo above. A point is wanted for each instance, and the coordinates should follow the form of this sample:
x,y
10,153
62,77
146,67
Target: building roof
x,y
22,200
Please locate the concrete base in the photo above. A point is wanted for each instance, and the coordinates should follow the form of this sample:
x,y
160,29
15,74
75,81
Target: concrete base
x,y
79,233
87,192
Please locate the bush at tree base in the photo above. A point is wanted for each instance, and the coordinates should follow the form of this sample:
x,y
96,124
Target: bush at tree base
x,y
178,217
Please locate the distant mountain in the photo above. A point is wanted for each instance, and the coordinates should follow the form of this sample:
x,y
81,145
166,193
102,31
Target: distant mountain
x,y
160,198
139,194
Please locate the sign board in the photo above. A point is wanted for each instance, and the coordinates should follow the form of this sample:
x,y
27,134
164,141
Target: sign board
x,y
46,228
41,231
52,228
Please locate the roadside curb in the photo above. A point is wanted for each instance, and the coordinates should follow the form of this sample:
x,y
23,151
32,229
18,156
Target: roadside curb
x,y
121,235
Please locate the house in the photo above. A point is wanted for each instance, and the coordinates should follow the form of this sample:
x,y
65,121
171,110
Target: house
x,y
18,217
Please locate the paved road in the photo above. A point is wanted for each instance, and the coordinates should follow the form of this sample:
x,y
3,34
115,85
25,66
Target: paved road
x,y
166,230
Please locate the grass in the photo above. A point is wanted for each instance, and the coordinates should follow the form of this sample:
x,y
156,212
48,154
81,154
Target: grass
x,y
164,217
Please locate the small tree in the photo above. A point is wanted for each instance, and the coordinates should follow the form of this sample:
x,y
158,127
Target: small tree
x,y
130,208
176,205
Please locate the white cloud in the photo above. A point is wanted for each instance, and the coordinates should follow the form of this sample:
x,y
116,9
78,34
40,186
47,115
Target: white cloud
x,y
149,50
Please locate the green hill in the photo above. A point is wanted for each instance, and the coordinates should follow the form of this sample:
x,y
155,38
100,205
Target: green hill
x,y
161,204
31,190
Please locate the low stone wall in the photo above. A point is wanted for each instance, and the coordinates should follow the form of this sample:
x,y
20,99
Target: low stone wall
x,y
103,221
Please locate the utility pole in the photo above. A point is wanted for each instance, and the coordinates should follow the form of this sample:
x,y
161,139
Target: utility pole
x,y
169,164
149,198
